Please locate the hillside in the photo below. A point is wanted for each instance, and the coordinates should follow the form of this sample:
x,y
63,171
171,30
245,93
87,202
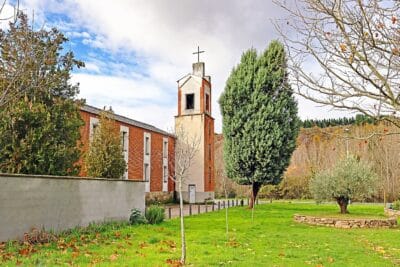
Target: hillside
x,y
320,148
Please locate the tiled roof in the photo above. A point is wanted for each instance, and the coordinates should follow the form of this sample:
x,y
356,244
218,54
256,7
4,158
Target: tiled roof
x,y
126,120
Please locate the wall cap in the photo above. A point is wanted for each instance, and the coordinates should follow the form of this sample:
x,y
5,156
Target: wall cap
x,y
5,175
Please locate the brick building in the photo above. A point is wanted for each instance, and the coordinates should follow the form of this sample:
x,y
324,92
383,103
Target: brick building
x,y
148,152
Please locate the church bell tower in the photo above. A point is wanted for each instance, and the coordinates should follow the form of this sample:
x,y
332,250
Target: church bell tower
x,y
194,117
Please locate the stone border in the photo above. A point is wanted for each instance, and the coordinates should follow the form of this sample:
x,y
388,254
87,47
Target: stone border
x,y
392,212
346,223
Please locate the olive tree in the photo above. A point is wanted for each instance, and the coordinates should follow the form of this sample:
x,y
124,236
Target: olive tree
x,y
349,179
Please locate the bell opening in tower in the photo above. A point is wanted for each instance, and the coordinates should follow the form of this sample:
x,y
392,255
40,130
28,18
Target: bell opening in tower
x,y
190,101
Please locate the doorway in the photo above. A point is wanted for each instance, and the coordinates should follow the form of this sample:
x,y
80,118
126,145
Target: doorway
x,y
192,193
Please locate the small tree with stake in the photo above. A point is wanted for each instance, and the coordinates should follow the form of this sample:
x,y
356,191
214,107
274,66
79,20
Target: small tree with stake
x,y
349,179
186,148
260,123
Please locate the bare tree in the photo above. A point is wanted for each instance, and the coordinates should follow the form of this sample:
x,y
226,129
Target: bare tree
x,y
13,80
186,148
356,46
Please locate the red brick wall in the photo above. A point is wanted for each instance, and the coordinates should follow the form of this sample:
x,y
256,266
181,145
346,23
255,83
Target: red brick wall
x,y
209,184
136,150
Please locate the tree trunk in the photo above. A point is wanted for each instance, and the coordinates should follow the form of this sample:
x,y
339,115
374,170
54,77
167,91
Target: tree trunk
x,y
183,240
254,191
343,202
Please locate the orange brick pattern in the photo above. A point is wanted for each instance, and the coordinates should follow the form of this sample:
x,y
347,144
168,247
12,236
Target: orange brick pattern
x,y
209,176
135,153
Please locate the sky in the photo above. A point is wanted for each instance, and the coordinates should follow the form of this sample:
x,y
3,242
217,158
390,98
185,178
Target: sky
x,y
136,50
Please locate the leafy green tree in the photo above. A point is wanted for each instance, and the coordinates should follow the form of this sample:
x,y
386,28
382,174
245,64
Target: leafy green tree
x,y
39,115
104,158
349,179
260,122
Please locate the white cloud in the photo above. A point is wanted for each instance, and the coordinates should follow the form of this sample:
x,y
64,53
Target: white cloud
x,y
162,36
6,15
93,67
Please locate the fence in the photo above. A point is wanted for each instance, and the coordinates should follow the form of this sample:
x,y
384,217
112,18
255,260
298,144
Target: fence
x,y
193,209
60,203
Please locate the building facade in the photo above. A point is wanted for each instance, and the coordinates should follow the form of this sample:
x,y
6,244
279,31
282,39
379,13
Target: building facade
x,y
195,120
148,152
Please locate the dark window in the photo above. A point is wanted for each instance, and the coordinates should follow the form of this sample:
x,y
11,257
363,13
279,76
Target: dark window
x,y
190,101
146,172
124,141
165,174
209,151
207,103
95,126
209,175
147,145
165,150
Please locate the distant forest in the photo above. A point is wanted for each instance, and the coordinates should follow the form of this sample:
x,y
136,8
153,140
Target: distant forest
x,y
359,119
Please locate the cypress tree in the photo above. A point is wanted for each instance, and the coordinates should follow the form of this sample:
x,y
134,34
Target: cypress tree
x,y
260,122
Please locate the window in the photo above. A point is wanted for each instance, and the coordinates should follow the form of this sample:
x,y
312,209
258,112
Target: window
x,y
124,141
165,174
207,103
209,175
95,126
190,101
147,145
209,151
165,149
146,172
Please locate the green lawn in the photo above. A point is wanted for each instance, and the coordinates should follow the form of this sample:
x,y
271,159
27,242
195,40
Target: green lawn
x,y
273,239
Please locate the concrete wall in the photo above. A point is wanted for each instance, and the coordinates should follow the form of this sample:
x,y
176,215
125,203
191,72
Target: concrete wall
x,y
60,203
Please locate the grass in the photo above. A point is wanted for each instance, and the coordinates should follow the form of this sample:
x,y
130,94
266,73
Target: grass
x,y
273,239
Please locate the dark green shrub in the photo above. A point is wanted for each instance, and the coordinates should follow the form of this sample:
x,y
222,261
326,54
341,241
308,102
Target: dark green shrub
x,y
155,214
137,217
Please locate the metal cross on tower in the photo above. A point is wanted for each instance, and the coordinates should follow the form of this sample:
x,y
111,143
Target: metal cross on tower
x,y
198,53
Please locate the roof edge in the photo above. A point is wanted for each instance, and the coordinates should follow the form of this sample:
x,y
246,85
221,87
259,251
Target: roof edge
x,y
120,118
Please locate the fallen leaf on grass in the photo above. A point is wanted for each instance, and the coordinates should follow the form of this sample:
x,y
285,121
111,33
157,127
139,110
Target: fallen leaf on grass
x,y
113,257
169,243
173,263
233,243
127,236
26,251
143,245
330,259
